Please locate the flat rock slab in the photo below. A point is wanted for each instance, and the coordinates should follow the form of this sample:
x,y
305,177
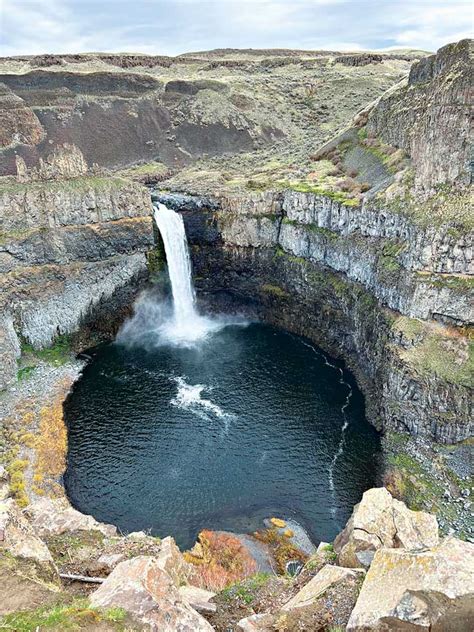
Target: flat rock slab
x,y
328,576
428,590
53,517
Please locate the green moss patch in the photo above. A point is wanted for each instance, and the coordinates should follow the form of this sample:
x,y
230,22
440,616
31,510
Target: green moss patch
x,y
81,184
77,615
246,590
57,354
274,290
437,350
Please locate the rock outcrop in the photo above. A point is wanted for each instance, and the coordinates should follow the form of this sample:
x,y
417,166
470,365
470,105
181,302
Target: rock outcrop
x,y
382,521
19,538
327,577
143,589
430,117
413,582
366,285
426,590
56,516
69,249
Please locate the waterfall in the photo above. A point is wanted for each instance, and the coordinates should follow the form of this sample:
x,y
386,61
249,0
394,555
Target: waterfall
x,y
171,227
153,322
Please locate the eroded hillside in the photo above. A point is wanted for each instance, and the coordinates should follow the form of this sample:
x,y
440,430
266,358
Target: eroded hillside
x,y
124,109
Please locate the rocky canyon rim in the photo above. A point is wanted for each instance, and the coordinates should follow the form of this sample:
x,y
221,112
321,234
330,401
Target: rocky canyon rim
x,y
361,242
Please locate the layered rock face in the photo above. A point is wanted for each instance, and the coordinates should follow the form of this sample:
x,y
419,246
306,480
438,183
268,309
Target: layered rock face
x,y
430,117
68,248
387,286
362,284
124,109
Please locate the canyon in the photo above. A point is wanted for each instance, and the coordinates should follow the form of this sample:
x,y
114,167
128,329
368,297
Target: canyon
x,y
322,193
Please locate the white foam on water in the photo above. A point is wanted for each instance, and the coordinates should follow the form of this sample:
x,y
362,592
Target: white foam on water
x,y
345,423
189,397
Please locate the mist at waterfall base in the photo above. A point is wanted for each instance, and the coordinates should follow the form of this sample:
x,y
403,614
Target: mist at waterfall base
x,y
157,322
179,427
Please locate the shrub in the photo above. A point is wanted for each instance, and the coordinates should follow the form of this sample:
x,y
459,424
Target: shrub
x,y
348,185
352,173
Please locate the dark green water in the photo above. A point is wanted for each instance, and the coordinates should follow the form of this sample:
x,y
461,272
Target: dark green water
x,y
245,426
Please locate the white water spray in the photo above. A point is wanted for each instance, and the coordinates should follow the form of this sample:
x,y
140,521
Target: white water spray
x,y
154,323
186,325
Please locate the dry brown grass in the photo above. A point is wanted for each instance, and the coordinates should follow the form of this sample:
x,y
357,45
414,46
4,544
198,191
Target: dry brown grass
x,y
220,559
51,448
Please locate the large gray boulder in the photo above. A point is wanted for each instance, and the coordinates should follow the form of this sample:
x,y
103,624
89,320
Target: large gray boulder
x,y
143,589
379,520
431,590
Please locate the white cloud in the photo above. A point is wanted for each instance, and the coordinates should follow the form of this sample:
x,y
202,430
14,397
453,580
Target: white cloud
x,y
173,26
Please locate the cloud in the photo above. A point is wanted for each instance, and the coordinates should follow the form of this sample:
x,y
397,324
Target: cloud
x,y
175,26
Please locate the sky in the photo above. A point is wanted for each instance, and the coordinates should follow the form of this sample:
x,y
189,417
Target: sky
x,y
170,27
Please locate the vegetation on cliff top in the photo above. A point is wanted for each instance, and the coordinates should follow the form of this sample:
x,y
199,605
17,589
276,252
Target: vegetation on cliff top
x,y
82,184
431,348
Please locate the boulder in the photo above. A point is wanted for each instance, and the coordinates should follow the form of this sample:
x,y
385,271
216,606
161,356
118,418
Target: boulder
x,y
198,598
28,575
430,590
328,576
108,561
171,560
18,538
143,589
381,521
56,516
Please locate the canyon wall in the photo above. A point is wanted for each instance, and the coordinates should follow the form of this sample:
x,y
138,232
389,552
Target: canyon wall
x,y
67,249
430,117
365,286
381,279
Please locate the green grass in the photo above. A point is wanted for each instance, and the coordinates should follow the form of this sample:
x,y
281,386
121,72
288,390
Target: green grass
x,y
436,355
274,290
14,235
446,206
246,590
58,354
458,284
67,617
437,351
329,234
25,372
337,196
409,327
153,169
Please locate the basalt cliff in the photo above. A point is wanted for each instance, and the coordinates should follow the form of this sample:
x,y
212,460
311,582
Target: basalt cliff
x,y
325,193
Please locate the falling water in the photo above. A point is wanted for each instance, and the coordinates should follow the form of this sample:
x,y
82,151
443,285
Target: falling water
x,y
171,227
